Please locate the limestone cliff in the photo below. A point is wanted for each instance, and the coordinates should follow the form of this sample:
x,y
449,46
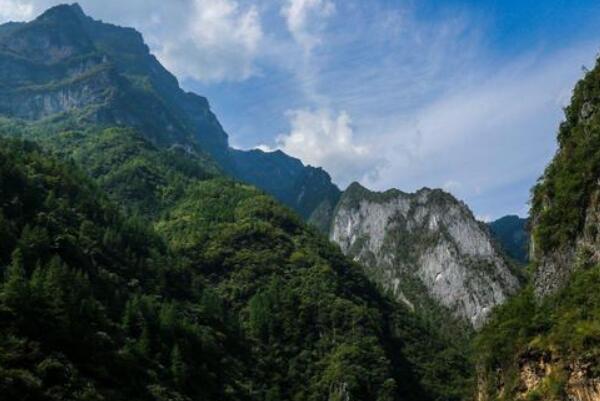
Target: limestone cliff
x,y
424,245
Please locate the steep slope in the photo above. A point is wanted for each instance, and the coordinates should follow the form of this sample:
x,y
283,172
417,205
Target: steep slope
x,y
424,246
304,189
66,66
66,70
511,233
565,205
545,343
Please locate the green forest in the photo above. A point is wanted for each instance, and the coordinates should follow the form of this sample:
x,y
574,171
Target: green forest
x,y
199,287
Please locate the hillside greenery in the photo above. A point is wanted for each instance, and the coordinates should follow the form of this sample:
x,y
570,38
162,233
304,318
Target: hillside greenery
x,y
511,232
562,328
190,286
564,192
90,306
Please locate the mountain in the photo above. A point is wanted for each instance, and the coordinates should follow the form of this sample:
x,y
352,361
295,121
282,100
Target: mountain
x,y
134,267
424,246
305,189
545,342
511,233
65,70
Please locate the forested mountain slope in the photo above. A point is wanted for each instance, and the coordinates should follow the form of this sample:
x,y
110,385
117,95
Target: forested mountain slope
x,y
91,305
229,296
512,234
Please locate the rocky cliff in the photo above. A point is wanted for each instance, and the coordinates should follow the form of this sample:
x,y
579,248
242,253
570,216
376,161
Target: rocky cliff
x,y
65,71
543,377
544,344
424,245
566,201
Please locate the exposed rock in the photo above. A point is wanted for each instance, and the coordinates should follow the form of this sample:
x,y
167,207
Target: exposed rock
x,y
555,267
565,211
586,111
545,376
428,236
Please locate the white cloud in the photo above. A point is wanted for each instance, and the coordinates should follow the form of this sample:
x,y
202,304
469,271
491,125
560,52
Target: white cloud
x,y
486,218
15,10
321,139
451,186
303,18
492,134
208,40
265,148
217,41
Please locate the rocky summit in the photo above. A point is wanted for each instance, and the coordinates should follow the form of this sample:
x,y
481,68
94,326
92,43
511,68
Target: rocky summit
x,y
424,245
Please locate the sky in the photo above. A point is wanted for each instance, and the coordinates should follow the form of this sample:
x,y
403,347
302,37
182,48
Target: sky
x,y
463,95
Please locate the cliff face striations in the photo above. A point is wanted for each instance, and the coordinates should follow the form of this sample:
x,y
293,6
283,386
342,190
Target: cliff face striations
x,y
424,245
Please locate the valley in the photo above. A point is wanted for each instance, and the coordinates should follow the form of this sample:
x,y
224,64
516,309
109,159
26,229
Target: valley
x,y
144,258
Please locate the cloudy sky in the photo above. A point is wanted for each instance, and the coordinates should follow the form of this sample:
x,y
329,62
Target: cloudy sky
x,y
463,95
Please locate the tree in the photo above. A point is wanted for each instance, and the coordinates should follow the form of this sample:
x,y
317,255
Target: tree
x,y
178,367
15,292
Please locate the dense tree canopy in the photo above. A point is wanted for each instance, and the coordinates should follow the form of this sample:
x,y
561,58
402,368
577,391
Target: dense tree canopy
x,y
212,291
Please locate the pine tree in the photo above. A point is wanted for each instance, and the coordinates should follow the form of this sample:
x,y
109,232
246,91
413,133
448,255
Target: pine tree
x,y
15,292
5,238
178,367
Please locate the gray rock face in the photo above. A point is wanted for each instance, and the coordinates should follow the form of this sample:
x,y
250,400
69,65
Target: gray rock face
x,y
429,238
554,267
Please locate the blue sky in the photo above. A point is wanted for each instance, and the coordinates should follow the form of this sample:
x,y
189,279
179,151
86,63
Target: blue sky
x,y
464,95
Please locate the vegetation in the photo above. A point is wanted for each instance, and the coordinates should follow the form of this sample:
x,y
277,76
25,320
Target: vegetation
x,y
511,233
564,192
564,328
215,292
89,305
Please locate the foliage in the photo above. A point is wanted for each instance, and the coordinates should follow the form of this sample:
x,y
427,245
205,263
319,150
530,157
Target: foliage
x,y
89,307
565,326
232,297
511,233
562,195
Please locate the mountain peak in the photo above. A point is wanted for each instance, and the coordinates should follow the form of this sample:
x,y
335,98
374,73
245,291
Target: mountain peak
x,y
355,186
62,11
427,237
95,72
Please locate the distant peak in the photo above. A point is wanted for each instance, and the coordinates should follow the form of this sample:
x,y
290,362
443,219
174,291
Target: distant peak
x,y
77,8
355,186
62,11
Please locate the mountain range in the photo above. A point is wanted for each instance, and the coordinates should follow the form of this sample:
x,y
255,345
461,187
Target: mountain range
x,y
69,70
144,258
